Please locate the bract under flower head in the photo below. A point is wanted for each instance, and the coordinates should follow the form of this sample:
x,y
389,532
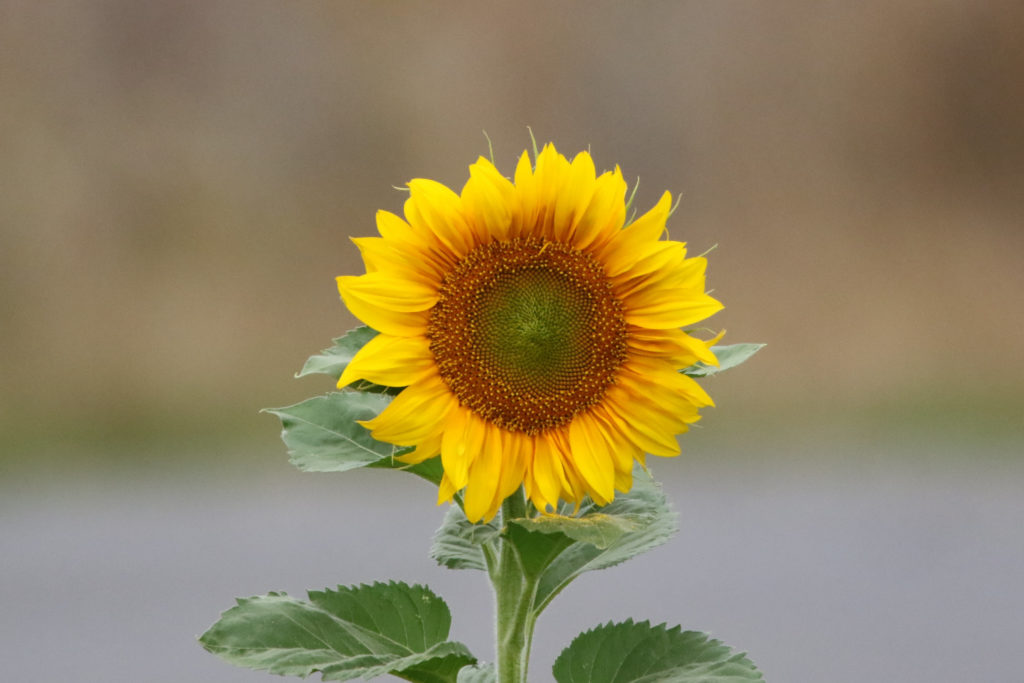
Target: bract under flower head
x,y
537,336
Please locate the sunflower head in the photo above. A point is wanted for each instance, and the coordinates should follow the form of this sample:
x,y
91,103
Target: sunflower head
x,y
537,334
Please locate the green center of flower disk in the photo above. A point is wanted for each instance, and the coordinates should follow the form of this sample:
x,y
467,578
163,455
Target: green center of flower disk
x,y
527,333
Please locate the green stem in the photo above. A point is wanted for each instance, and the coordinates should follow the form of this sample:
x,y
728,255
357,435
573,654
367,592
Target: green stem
x,y
514,593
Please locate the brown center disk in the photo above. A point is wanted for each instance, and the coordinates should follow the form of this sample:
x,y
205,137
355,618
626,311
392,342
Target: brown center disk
x,y
527,334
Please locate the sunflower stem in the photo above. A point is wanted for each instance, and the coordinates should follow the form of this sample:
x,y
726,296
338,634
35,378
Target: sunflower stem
x,y
514,593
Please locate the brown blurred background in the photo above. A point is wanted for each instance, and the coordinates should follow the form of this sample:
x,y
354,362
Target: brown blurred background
x,y
179,182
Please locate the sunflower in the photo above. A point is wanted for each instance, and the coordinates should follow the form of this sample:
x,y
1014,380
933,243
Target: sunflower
x,y
537,334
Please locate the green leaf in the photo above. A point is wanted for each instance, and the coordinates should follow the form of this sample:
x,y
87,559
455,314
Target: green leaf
x,y
640,653
322,434
458,544
333,361
729,356
478,673
536,550
362,631
597,528
648,513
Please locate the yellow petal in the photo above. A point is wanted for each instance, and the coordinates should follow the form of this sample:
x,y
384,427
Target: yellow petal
x,y
432,206
622,451
388,290
590,452
526,197
549,177
484,475
672,345
572,201
463,441
391,361
388,304
637,240
380,254
393,228
623,481
577,488
415,415
513,455
650,226
604,215
548,475
641,422
685,276
425,450
488,199
667,380
665,315
658,258
446,490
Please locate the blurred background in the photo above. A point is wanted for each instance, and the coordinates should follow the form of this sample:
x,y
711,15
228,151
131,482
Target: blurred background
x,y
178,185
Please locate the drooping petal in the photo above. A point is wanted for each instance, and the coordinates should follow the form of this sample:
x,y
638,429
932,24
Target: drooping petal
x,y
514,450
484,476
548,475
591,453
445,490
463,441
577,488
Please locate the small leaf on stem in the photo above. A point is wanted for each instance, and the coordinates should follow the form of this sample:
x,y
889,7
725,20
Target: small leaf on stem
x,y
729,356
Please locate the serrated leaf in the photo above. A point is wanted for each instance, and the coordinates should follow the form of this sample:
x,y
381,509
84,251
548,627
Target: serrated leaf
x,y
361,631
322,434
478,673
599,529
631,652
458,543
729,356
644,506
